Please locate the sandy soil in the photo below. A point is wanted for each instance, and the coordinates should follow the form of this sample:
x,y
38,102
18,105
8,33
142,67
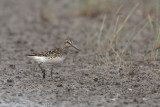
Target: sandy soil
x,y
77,83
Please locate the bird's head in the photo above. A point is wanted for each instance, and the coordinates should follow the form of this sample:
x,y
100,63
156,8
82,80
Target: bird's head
x,y
69,43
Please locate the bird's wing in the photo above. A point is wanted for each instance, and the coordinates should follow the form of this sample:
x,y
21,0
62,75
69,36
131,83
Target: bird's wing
x,y
54,52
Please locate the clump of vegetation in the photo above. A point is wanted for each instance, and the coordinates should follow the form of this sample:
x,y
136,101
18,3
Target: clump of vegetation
x,y
48,12
108,45
93,7
114,48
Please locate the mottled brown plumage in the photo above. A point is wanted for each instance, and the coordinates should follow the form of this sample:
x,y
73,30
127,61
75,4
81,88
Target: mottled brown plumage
x,y
51,53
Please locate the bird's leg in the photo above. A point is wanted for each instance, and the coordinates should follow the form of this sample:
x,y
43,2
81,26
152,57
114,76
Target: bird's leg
x,y
51,71
43,70
44,74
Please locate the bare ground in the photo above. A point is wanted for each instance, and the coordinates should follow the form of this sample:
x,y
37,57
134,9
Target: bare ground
x,y
78,82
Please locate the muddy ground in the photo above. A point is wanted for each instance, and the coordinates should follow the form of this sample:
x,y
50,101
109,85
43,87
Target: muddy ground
x,y
76,83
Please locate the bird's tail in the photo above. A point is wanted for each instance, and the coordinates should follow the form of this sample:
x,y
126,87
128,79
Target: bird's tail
x,y
31,54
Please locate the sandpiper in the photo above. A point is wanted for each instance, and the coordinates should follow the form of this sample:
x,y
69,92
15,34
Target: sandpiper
x,y
53,57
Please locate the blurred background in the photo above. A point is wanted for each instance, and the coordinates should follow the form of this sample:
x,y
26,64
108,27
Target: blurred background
x,y
101,22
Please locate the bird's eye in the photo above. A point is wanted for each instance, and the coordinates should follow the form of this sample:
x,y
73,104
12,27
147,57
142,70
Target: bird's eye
x,y
69,42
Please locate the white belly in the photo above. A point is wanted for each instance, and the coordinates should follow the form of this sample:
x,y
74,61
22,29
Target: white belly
x,y
42,59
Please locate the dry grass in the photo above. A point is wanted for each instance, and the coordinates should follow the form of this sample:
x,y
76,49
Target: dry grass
x,y
153,54
110,55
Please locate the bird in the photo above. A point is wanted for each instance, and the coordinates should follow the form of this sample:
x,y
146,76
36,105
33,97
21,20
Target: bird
x,y
54,56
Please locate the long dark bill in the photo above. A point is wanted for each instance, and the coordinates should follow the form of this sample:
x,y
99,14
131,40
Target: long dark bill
x,y
75,47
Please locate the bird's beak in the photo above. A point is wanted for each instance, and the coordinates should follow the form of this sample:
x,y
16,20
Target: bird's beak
x,y
74,46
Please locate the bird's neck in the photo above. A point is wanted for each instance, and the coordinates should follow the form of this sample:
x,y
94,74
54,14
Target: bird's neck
x,y
65,49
